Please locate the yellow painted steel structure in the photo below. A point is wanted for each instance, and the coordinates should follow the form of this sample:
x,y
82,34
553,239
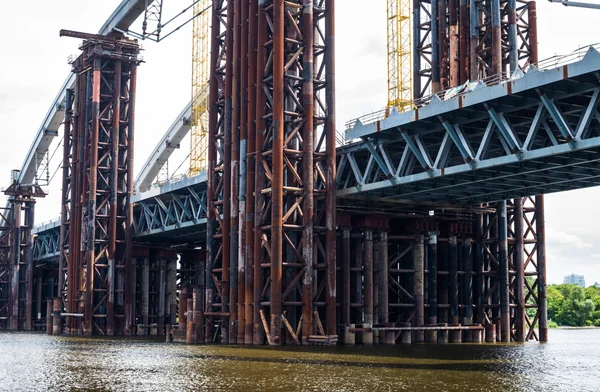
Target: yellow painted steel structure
x,y
399,51
200,79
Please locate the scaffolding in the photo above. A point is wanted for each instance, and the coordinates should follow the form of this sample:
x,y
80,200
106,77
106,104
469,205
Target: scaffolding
x,y
399,55
200,64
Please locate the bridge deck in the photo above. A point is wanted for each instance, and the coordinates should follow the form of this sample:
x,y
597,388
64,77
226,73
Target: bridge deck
x,y
533,135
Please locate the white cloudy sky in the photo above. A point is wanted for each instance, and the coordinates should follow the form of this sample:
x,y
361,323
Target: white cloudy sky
x,y
33,65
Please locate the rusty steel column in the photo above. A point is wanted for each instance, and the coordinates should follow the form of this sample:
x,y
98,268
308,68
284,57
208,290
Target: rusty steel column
x,y
382,281
89,207
419,279
453,57
114,188
49,310
67,181
496,37
467,291
503,278
250,173
432,280
216,235
27,261
277,182
463,41
227,167
478,268
260,177
520,326
235,172
367,336
346,293
127,253
145,302
56,318
15,256
308,171
356,278
443,44
513,50
436,62
241,256
453,280
540,229
330,167
533,33
473,41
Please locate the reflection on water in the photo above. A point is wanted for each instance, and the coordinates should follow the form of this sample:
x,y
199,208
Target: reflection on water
x,y
31,362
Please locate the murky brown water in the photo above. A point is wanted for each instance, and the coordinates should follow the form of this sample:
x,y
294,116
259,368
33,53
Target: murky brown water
x,y
32,362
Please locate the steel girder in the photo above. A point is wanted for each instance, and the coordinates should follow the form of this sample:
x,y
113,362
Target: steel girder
x,y
46,244
170,216
533,135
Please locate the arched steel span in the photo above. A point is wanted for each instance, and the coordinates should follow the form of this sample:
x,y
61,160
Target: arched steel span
x,y
122,18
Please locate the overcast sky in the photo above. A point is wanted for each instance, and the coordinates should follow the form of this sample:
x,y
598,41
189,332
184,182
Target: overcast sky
x,y
33,66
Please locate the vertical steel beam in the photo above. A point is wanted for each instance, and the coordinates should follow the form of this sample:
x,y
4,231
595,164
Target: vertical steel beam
x,y
519,293
330,167
473,41
382,281
453,57
67,184
15,255
540,228
513,50
419,279
432,278
234,217
27,257
346,277
464,37
114,189
443,43
260,175
367,336
496,37
503,278
533,32
252,91
277,182
308,168
453,279
435,48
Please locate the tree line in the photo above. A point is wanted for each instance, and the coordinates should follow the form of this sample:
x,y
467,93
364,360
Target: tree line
x,y
572,305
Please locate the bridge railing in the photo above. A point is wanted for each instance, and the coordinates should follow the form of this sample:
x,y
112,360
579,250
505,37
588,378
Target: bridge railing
x,y
546,64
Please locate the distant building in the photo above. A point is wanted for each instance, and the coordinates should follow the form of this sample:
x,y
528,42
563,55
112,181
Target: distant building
x,y
597,284
575,279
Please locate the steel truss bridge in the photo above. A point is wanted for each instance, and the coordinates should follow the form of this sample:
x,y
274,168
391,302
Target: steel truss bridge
x,y
514,136
536,134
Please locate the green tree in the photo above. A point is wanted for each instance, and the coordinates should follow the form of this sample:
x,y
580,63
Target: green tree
x,y
572,305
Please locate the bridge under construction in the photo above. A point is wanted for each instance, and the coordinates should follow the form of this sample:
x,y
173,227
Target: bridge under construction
x,y
423,222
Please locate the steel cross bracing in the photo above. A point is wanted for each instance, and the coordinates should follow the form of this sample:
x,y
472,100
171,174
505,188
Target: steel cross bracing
x,y
175,215
533,135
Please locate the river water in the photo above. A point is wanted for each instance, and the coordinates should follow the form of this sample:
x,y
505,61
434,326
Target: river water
x,y
37,362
